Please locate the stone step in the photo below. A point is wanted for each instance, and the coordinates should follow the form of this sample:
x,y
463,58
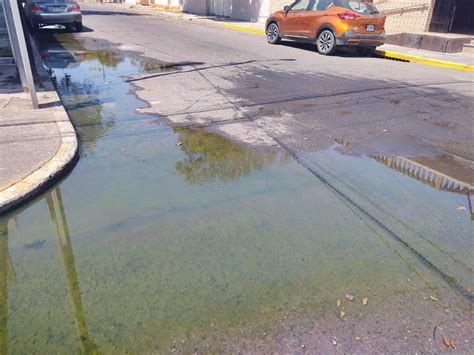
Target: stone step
x,y
468,48
429,41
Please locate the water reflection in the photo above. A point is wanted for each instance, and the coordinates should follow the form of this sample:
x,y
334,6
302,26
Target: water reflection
x,y
80,93
83,101
429,175
7,273
211,157
61,228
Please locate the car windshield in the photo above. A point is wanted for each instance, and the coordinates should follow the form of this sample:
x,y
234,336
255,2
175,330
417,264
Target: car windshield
x,y
357,6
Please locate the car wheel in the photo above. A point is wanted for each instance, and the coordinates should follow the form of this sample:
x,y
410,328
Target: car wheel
x,y
365,51
273,33
78,26
326,43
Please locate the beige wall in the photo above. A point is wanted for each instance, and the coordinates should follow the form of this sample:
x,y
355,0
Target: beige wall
x,y
276,5
195,6
406,15
247,10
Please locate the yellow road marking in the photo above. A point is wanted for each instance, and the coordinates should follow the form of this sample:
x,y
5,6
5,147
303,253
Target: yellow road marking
x,y
245,29
423,60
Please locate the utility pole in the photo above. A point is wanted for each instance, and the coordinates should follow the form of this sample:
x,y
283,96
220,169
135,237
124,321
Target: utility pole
x,y
20,50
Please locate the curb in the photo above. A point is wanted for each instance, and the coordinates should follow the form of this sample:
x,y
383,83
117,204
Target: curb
x,y
29,186
422,60
245,29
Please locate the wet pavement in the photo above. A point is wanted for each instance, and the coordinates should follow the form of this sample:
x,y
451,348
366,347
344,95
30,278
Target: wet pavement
x,y
179,238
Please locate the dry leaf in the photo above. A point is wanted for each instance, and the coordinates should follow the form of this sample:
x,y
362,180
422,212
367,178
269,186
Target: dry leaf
x,y
338,303
350,297
448,342
342,314
434,298
365,300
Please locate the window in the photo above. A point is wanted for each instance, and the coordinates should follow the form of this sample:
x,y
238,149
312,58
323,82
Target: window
x,y
357,6
320,5
300,5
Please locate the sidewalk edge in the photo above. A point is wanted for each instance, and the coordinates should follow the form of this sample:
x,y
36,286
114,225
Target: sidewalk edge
x,y
244,29
28,187
423,60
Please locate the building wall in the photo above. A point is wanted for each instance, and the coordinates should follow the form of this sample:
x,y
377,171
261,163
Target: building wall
x,y
173,3
248,10
198,7
406,15
276,5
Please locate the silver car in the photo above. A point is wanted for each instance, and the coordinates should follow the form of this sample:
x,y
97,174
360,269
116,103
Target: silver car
x,y
54,12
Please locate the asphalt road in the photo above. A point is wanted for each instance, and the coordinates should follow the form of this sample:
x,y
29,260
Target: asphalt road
x,y
337,117
290,93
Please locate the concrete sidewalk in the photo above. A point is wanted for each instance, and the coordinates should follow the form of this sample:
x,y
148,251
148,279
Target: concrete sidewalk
x,y
36,146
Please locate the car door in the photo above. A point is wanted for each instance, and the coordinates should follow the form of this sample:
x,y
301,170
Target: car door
x,y
293,23
317,15
310,18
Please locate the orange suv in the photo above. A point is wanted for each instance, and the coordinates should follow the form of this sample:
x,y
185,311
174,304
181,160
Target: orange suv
x,y
329,23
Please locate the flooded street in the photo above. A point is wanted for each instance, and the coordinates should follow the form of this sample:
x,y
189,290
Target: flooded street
x,y
178,238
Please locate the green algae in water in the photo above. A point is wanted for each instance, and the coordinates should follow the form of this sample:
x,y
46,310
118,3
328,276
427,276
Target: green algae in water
x,y
148,243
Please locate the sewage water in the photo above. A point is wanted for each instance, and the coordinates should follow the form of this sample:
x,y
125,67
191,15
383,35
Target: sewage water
x,y
162,236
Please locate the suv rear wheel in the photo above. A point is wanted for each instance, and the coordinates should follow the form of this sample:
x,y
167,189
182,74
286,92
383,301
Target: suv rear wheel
x,y
326,43
273,33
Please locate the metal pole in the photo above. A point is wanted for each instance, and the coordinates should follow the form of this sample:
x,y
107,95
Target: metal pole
x,y
14,42
23,52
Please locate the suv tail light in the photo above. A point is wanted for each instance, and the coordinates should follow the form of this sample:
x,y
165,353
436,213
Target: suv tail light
x,y
348,15
35,8
383,20
75,7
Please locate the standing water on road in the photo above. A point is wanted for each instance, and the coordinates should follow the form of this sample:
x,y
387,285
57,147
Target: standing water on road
x,y
164,239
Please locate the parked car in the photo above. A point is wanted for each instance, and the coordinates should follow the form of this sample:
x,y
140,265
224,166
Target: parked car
x,y
54,12
329,23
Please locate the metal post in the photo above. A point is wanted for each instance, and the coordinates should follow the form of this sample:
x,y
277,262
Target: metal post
x,y
15,12
14,42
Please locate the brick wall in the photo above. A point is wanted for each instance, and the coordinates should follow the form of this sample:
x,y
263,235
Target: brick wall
x,y
406,15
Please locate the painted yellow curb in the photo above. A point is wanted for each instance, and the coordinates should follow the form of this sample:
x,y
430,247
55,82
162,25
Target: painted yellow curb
x,y
427,61
245,29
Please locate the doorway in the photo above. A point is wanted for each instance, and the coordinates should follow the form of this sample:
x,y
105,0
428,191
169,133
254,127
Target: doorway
x,y
453,16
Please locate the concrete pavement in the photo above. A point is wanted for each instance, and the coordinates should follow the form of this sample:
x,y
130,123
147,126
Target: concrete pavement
x,y
37,146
